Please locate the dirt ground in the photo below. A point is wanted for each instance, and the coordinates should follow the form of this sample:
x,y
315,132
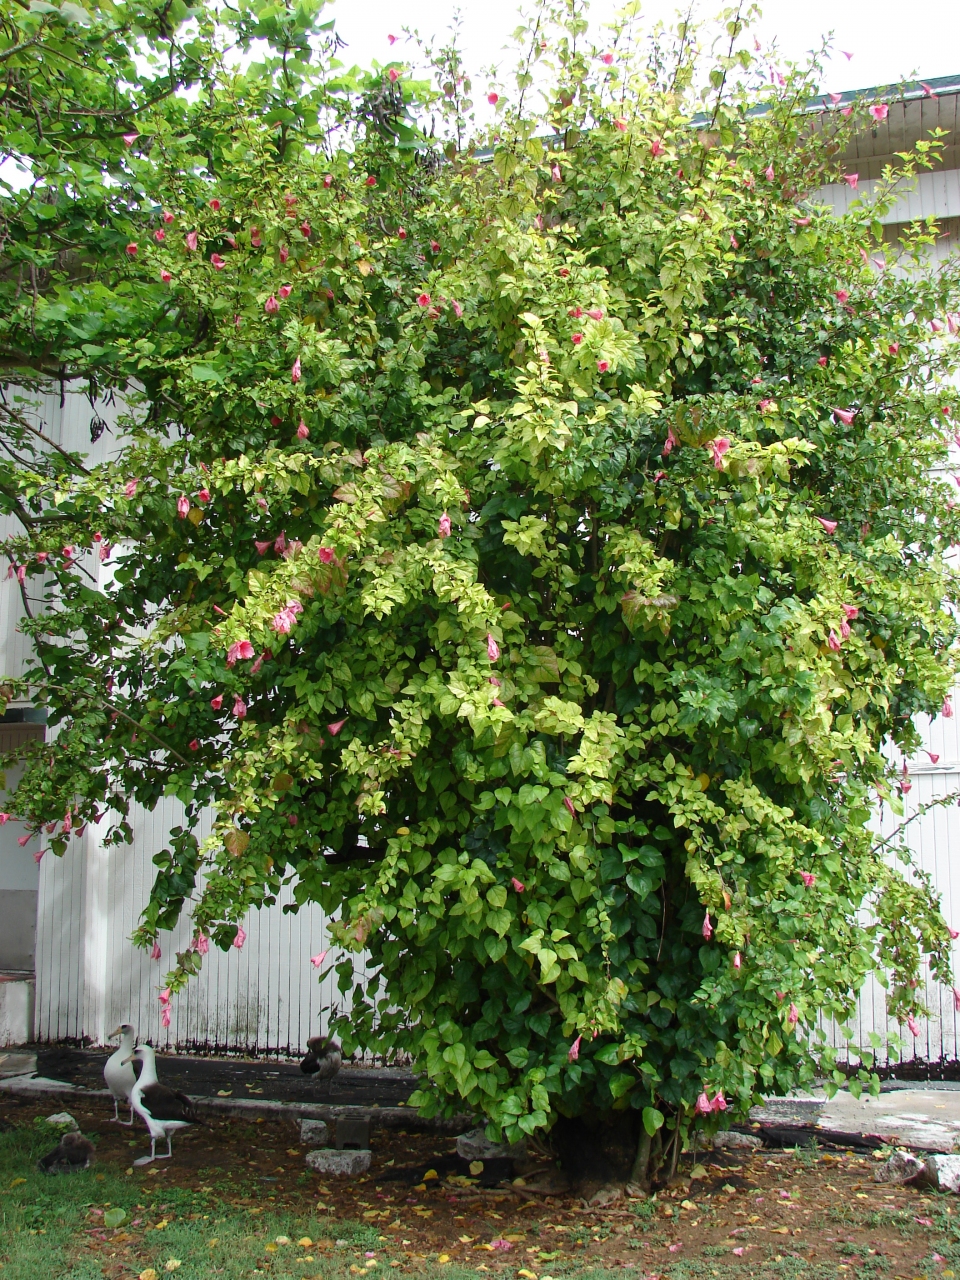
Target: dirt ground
x,y
771,1213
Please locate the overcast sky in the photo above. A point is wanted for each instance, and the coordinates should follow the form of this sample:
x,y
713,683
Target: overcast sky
x,y
888,40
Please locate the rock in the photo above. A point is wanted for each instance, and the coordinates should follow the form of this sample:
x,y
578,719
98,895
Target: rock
x,y
475,1145
730,1139
603,1196
314,1132
64,1120
942,1172
338,1164
635,1192
901,1167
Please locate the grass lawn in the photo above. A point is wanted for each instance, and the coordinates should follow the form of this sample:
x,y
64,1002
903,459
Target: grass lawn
x,y
236,1201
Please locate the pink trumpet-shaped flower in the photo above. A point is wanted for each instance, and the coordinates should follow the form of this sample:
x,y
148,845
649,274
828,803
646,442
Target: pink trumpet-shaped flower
x,y
606,59
129,139
620,124
326,555
573,1053
851,179
295,372
166,277
271,306
830,526
603,366
201,943
443,526
457,308
191,239
23,840
498,703
656,147
707,928
717,449
37,856
846,111
240,937
334,729
518,885
183,506
239,707
835,98
284,253
793,1015
203,495
493,98
933,757
280,545
568,805
160,235
737,962
954,933
423,299
912,1024
879,111
303,430
834,641
595,313
132,250
218,262
319,958
846,416
576,339
243,649
841,295
194,744
893,348
808,878
391,39
670,443
255,241
851,611
844,629
394,75
263,547
155,953
703,1106
167,217
719,1103
285,290
947,709
768,173
165,1016
217,702
287,617
4,818
956,999
555,173
493,649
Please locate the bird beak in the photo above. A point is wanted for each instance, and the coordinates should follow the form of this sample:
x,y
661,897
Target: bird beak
x,y
118,1031
126,1060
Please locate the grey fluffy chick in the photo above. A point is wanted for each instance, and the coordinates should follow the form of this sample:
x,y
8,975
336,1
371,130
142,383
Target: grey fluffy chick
x,y
323,1058
74,1153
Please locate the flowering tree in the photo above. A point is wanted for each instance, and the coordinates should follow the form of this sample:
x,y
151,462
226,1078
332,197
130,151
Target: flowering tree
x,y
526,538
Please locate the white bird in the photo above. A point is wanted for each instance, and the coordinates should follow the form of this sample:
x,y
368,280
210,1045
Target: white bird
x,y
162,1110
118,1070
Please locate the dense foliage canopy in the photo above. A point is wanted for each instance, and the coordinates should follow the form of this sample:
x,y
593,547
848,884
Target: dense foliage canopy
x,y
525,536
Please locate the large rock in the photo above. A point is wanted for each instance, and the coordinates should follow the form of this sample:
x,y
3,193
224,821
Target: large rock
x,y
901,1167
65,1121
942,1172
314,1132
475,1145
338,1164
731,1140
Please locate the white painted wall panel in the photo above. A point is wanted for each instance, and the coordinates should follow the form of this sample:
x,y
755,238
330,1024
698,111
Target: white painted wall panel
x,y
928,195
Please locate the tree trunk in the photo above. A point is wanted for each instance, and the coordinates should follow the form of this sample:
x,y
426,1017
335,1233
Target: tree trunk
x,y
599,1148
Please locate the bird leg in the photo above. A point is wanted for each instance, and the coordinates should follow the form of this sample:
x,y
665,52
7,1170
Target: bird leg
x,y
169,1150
152,1156
126,1122
116,1111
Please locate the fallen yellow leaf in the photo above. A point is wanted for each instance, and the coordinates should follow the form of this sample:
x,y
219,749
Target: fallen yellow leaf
x,y
161,1224
431,1173
467,1239
149,1274
444,1257
212,1243
524,1274
476,1167
172,1264
18,1182
271,1248
305,1242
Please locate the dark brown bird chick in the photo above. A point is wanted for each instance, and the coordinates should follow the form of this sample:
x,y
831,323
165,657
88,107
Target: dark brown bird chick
x,y
74,1153
323,1058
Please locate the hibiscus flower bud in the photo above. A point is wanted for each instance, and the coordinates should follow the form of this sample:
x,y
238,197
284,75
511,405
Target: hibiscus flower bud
x,y
393,75
621,124
829,525
167,217
195,745
493,649
255,240
191,239
326,555
284,253
132,250
183,506
434,246
707,927
443,527
295,372
576,339
423,300
595,313
217,702
573,1053
302,430
218,262
371,180
808,879
239,937
203,495
518,885
834,641
493,98
129,139
603,366
155,953
271,306
793,1015
606,59
328,180
334,729
401,233
159,235
239,707
166,277
568,805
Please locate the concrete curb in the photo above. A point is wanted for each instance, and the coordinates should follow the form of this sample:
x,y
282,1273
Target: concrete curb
x,y
378,1117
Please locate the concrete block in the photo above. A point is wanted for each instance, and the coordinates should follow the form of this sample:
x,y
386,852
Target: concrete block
x,y
900,1168
353,1133
475,1145
338,1164
942,1172
314,1132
